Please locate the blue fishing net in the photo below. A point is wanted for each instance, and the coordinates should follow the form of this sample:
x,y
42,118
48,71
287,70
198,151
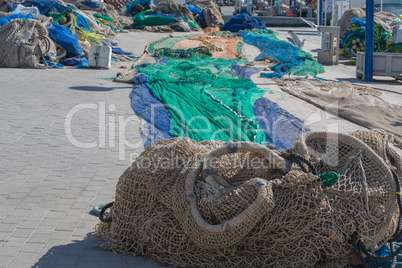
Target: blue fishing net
x,y
44,6
117,50
72,60
280,127
5,20
82,22
272,75
198,12
150,134
65,37
243,21
243,72
91,4
290,59
151,110
385,251
12,6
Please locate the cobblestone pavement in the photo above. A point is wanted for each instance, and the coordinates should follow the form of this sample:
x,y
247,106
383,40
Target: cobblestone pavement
x,y
65,138
50,179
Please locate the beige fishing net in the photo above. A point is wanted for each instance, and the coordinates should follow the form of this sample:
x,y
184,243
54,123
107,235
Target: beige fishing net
x,y
241,204
23,43
357,103
210,10
172,7
225,47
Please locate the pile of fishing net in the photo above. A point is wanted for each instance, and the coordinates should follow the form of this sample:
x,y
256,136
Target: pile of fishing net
x,y
23,44
243,21
287,58
150,20
359,104
172,16
210,13
326,202
220,45
353,32
70,31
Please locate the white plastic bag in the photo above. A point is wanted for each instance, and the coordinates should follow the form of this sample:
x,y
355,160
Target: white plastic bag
x,y
26,10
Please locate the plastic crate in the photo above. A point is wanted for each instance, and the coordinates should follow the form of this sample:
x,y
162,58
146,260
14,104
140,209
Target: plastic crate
x,y
384,64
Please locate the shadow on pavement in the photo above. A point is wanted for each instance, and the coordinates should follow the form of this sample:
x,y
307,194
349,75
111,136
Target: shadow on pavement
x,y
95,88
89,253
384,80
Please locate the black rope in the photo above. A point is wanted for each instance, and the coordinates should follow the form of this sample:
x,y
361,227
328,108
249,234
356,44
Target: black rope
x,y
358,253
102,212
299,160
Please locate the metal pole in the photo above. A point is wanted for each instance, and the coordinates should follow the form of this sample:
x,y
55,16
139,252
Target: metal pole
x,y
381,6
320,13
368,55
340,16
294,8
301,8
332,13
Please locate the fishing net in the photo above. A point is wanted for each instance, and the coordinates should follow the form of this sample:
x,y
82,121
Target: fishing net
x,y
65,38
241,204
167,42
243,21
359,104
280,127
354,39
199,52
288,59
23,43
211,14
221,45
344,21
150,18
172,7
206,100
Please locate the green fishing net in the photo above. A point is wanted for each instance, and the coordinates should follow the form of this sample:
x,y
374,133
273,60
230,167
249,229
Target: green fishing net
x,y
206,100
167,42
198,52
149,18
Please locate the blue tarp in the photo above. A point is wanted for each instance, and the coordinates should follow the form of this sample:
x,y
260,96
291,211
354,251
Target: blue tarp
x,y
243,21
